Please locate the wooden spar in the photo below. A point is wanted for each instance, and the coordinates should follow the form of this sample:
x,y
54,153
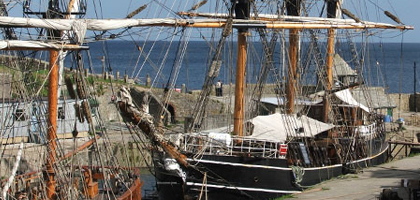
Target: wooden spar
x,y
240,85
291,81
332,12
415,87
134,192
52,124
275,17
14,170
111,24
293,8
149,129
52,109
329,66
13,45
80,148
69,8
242,10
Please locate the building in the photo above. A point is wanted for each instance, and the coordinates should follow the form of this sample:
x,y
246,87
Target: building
x,y
27,122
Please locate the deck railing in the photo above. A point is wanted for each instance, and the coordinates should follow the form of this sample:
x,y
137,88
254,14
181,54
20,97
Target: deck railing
x,y
224,144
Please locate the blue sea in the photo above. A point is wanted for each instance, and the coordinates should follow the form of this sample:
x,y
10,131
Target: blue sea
x,y
390,65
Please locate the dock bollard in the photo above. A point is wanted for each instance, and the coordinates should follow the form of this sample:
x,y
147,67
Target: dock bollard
x,y
183,88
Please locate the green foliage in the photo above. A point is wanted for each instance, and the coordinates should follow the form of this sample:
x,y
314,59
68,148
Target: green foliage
x,y
287,196
93,103
413,154
325,188
347,176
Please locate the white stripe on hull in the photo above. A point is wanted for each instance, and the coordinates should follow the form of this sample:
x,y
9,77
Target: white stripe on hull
x,y
243,188
282,168
369,158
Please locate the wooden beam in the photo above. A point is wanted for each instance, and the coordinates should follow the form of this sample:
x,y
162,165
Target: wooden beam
x,y
52,124
242,11
240,85
293,9
329,66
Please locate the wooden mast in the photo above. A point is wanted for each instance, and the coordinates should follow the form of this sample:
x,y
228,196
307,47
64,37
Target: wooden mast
x,y
293,8
332,12
242,12
52,123
329,65
52,108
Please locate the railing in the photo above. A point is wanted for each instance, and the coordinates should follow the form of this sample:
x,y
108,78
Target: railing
x,y
367,131
224,144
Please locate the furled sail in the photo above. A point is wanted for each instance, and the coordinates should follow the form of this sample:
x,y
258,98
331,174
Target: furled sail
x,y
36,45
110,24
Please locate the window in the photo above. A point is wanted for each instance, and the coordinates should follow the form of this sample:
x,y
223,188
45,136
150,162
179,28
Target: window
x,y
20,115
61,114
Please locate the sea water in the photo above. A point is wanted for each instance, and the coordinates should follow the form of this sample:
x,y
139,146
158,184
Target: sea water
x,y
384,64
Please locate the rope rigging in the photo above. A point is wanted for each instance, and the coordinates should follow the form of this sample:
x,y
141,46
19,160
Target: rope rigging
x,y
212,73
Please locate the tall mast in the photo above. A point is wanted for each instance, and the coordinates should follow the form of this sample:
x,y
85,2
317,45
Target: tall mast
x,y
293,8
52,106
242,11
415,87
52,123
332,12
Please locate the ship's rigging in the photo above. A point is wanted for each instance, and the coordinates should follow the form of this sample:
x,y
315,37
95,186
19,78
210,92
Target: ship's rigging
x,y
241,20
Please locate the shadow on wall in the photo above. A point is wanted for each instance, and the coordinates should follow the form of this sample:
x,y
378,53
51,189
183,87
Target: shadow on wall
x,y
150,103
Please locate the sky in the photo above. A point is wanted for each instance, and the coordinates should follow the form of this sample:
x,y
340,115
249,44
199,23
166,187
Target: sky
x,y
408,12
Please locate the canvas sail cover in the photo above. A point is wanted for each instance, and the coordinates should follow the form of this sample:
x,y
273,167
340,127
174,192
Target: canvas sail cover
x,y
110,24
16,44
277,127
347,97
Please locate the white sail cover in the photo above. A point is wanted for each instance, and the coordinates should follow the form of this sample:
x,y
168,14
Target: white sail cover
x,y
89,24
13,44
347,97
277,126
110,24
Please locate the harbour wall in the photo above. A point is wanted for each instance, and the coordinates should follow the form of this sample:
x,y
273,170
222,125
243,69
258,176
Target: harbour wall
x,y
117,148
406,102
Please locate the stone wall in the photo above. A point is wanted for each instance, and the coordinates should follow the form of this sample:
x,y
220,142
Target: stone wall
x,y
414,105
407,103
404,104
123,149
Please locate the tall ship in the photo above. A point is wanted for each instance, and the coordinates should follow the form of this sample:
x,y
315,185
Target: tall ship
x,y
263,149
54,144
311,134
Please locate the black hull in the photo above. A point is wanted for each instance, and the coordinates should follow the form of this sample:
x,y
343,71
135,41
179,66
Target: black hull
x,y
230,177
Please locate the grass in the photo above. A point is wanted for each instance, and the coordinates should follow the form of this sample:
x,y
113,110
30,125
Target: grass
x,y
287,196
34,78
413,154
347,176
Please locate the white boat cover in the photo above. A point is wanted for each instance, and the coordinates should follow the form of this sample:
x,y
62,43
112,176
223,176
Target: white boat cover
x,y
347,97
277,126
